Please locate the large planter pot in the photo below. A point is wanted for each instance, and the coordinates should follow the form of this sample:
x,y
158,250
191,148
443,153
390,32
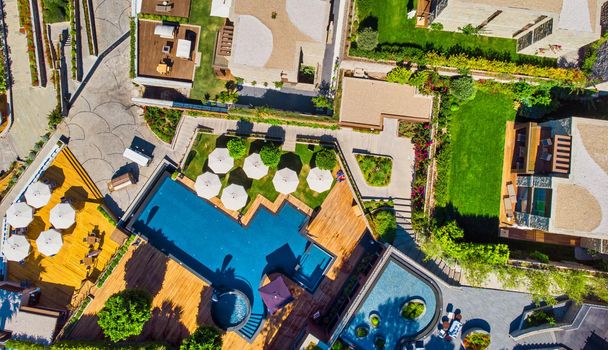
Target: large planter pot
x,y
482,339
410,315
362,331
374,319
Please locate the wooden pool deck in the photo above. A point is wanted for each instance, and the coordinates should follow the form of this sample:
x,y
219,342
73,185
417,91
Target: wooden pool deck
x,y
61,276
181,300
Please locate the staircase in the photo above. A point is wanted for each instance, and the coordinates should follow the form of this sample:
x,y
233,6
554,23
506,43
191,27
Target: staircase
x,y
437,267
250,328
224,43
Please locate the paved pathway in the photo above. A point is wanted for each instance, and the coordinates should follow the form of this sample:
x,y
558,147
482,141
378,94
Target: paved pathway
x,y
31,105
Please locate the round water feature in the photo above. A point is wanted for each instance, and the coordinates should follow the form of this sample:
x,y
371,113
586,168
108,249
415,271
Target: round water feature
x,y
230,310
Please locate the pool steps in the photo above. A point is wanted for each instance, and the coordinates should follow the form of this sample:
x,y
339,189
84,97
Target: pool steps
x,y
250,329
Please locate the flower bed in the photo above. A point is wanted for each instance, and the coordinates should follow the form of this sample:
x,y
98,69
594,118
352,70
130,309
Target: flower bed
x,y
476,339
422,141
376,170
26,23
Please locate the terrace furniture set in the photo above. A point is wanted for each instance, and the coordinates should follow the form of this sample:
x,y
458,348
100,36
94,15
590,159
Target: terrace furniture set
x,y
451,325
89,259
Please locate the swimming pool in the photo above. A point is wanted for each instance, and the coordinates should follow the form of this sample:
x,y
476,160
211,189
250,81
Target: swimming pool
x,y
223,252
393,288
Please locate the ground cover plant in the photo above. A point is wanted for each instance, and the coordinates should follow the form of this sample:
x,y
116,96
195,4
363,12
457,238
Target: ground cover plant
x,y
376,170
55,11
301,161
163,122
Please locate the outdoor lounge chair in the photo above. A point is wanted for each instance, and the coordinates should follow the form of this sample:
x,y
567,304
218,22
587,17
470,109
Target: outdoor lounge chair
x,y
511,191
508,207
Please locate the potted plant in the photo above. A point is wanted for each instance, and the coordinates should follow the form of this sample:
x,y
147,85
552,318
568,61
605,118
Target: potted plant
x,y
476,339
362,331
413,309
379,342
374,319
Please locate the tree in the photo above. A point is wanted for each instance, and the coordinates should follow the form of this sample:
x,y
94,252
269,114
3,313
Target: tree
x,y
463,88
270,154
323,101
367,39
399,75
125,314
203,338
237,147
326,159
531,96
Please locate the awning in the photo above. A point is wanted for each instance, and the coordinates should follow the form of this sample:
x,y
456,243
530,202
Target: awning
x,y
38,194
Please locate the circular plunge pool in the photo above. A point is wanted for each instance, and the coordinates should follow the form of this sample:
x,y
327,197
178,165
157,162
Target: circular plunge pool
x,y
230,310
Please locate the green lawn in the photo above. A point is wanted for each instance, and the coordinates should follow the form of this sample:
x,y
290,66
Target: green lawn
x,y
205,81
300,161
390,17
477,132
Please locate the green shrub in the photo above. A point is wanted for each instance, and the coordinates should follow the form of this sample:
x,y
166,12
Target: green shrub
x,y
362,331
270,154
106,215
23,345
204,338
477,341
367,39
386,225
163,18
399,75
374,320
376,170
163,122
99,345
463,88
536,255
124,314
323,101
540,317
339,345
436,26
379,342
469,29
412,310
115,260
278,84
133,48
326,159
237,147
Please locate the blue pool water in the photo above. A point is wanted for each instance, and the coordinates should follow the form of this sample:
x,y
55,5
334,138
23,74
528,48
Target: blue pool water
x,y
395,286
230,310
228,255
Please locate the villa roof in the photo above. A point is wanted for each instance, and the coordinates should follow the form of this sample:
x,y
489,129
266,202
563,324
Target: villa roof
x,y
273,33
581,199
366,102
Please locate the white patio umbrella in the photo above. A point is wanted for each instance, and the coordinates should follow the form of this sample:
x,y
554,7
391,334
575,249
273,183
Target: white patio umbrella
x,y
208,185
38,194
19,215
285,181
49,242
16,248
319,180
63,216
234,197
220,161
254,167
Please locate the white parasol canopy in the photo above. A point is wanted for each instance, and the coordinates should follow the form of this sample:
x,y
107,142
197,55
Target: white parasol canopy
x,y
220,161
234,197
208,185
16,248
285,181
319,180
254,167
63,216
19,215
38,194
49,242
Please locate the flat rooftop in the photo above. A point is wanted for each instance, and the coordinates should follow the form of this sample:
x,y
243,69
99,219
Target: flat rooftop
x,y
177,8
150,51
366,102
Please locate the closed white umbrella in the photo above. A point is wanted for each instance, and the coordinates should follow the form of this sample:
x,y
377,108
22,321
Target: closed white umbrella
x,y
285,181
63,216
234,197
220,161
208,185
19,215
16,248
49,242
254,167
38,194
319,180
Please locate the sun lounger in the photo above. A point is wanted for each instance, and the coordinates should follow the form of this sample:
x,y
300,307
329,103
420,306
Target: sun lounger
x,y
508,207
511,191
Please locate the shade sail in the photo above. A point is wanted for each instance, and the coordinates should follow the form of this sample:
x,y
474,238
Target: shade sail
x,y
285,181
275,294
49,242
38,194
208,185
16,248
63,216
234,197
220,161
319,180
254,167
19,215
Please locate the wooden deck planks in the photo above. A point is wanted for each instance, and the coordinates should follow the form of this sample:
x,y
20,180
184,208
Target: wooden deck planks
x,y
63,274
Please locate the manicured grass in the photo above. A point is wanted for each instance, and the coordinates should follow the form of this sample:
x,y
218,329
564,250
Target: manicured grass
x,y
300,161
205,81
376,170
390,17
477,139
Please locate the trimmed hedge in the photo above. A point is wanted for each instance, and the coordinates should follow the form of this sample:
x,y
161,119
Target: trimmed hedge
x,y
85,345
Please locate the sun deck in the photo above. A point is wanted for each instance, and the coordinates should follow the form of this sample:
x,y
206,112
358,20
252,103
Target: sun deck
x,y
61,276
182,300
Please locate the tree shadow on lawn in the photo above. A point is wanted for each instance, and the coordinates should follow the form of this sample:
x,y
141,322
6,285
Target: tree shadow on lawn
x,y
222,141
291,161
256,146
477,228
238,177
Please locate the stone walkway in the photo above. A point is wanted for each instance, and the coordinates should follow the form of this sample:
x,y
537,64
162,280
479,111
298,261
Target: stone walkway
x,y
31,104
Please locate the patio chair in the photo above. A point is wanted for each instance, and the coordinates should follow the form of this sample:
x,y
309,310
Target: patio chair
x,y
546,156
546,142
